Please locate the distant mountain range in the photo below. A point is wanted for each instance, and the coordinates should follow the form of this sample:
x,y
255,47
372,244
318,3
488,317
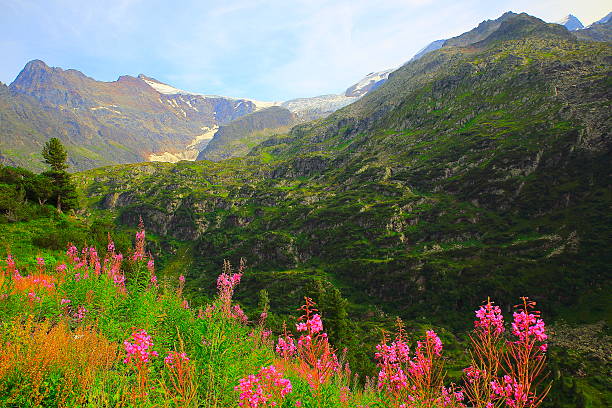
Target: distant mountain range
x,y
138,119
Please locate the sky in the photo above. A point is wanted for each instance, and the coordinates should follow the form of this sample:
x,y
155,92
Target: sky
x,y
271,50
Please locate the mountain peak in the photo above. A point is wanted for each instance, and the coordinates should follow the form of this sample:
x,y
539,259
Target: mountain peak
x,y
523,25
604,20
36,65
571,22
35,71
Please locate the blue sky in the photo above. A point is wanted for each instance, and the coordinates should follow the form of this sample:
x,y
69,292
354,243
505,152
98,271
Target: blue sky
x,y
264,49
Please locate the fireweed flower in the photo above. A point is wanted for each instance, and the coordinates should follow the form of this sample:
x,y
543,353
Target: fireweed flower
x,y
527,325
151,266
73,253
111,244
313,325
173,358
473,374
140,242
80,313
266,388
286,347
451,397
490,318
239,315
33,298
140,351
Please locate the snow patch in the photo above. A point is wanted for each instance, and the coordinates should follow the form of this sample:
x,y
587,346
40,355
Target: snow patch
x,y
168,157
361,87
191,150
106,108
318,105
170,90
208,134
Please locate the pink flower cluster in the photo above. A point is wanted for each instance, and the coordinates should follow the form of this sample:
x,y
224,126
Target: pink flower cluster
x,y
312,325
140,351
266,388
286,347
151,269
239,315
432,340
227,280
33,298
226,283
451,397
473,374
139,251
407,378
396,352
73,254
80,313
490,318
514,393
528,325
174,358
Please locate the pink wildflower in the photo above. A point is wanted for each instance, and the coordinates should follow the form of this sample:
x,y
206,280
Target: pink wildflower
x,y
490,318
139,352
527,325
286,347
80,313
239,314
313,325
267,386
173,358
33,298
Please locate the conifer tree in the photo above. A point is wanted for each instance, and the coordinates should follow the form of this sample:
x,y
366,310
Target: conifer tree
x,y
55,154
64,191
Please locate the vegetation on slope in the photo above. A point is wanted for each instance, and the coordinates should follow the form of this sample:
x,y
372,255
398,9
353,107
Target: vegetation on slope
x,y
473,172
91,328
238,137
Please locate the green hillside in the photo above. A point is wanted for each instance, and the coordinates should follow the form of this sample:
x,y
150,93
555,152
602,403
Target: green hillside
x,y
480,170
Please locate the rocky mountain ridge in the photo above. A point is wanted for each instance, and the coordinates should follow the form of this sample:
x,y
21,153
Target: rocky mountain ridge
x,y
484,166
139,118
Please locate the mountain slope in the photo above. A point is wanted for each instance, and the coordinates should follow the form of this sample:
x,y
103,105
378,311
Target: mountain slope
x,y
102,123
599,31
236,138
474,171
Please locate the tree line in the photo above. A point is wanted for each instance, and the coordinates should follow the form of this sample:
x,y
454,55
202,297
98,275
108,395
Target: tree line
x,y
22,191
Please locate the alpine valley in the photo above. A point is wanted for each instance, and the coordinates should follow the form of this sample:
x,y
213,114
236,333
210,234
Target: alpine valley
x,y
479,168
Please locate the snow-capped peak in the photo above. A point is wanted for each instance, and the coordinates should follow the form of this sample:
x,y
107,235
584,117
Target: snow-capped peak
x,y
370,81
163,88
604,20
571,22
170,90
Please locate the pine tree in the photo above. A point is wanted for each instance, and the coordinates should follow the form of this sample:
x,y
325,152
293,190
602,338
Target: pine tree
x,y
55,154
64,192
